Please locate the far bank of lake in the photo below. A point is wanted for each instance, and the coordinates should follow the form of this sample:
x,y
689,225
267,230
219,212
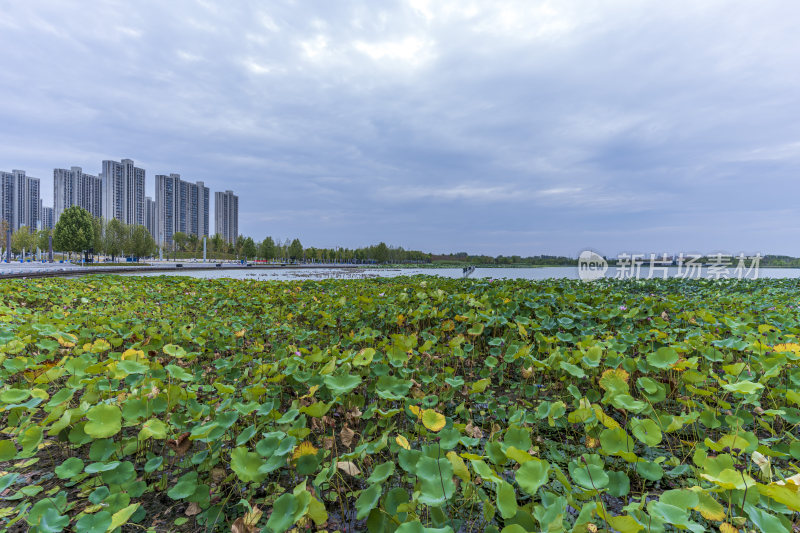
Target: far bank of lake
x,y
537,273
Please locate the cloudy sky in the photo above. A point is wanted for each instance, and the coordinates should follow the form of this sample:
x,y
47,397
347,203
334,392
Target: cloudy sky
x,y
496,127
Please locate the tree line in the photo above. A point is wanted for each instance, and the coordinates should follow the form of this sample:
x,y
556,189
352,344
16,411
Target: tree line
x,y
544,260
77,231
292,250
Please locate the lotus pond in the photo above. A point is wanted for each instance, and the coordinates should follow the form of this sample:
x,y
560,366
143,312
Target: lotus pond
x,y
413,404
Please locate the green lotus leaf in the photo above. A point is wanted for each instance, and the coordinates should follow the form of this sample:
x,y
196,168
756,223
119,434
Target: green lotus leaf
x,y
573,370
519,438
69,468
153,428
649,470
101,450
628,403
153,464
317,409
306,464
178,373
730,479
123,473
367,500
681,498
46,518
283,511
381,473
122,516
588,471
532,474
14,395
7,450
392,388
185,486
619,484
104,421
174,350
615,441
364,357
436,477
646,431
506,500
669,513
99,494
94,523
662,358
416,526
765,522
132,367
246,465
94,468
30,439
341,385
743,387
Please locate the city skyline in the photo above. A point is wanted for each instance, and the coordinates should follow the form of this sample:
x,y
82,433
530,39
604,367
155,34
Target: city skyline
x,y
118,191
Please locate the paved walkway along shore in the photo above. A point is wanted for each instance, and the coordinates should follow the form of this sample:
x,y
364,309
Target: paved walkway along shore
x,y
41,270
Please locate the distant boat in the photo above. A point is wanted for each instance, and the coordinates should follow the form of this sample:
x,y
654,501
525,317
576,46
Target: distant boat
x,y
468,270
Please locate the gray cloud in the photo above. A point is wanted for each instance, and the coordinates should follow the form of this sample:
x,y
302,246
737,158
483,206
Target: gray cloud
x,y
497,127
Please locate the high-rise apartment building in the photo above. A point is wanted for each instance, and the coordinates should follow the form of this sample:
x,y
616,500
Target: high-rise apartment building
x,y
123,191
20,198
7,197
180,206
226,215
74,187
150,215
48,220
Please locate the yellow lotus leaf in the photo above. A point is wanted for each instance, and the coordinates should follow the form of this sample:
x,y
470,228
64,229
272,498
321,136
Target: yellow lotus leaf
x,y
433,420
304,448
708,507
132,354
402,442
787,347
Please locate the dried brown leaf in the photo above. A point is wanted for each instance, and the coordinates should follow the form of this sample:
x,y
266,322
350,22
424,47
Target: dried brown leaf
x,y
180,445
192,510
346,435
348,467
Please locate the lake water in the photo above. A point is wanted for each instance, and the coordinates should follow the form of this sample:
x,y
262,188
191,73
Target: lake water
x,y
495,273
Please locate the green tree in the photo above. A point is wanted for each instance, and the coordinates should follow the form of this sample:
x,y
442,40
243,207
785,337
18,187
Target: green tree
x,y
216,243
115,238
381,253
266,249
22,239
295,250
74,231
180,239
43,239
140,242
97,238
193,242
248,247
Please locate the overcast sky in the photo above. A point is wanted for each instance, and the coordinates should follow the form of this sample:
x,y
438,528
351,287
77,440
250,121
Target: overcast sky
x,y
494,127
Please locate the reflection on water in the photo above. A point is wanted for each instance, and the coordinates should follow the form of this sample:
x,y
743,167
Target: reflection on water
x,y
366,273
